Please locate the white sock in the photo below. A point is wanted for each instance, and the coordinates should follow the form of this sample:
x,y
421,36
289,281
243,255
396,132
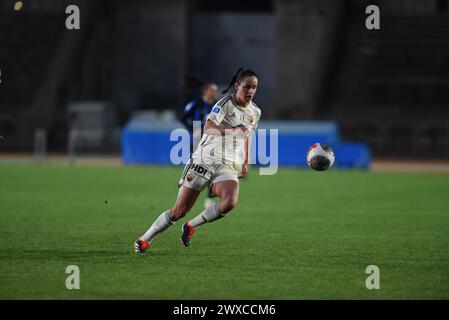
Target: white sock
x,y
159,225
210,214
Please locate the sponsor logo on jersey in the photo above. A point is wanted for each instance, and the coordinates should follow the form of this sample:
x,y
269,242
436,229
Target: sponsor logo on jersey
x,y
216,110
199,169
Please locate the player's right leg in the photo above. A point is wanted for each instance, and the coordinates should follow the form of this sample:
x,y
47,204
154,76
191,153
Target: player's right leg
x,y
184,202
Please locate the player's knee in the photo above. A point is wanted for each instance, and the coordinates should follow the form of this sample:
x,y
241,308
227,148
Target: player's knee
x,y
178,212
227,204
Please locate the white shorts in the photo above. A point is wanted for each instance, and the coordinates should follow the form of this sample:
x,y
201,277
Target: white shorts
x,y
198,176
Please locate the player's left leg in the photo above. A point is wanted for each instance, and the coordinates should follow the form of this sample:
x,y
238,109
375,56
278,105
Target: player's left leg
x,y
228,191
184,202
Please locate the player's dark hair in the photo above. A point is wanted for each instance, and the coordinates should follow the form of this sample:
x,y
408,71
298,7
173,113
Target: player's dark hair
x,y
238,77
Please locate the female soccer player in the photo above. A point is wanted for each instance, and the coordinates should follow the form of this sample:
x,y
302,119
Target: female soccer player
x,y
216,161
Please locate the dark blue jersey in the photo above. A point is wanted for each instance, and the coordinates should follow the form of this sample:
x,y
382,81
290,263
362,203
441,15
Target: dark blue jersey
x,y
195,110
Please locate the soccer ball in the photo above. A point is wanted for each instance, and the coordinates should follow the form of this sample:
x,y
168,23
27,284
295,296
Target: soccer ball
x,y
320,157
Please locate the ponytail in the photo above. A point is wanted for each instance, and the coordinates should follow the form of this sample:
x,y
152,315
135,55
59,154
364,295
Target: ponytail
x,y
233,80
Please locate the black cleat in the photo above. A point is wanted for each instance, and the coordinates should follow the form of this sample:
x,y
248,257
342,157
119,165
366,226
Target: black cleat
x,y
187,232
141,246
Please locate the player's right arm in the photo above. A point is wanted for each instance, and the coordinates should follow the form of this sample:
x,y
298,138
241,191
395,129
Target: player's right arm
x,y
219,130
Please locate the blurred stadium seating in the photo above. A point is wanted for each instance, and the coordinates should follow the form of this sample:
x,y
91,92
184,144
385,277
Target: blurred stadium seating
x,y
393,82
316,61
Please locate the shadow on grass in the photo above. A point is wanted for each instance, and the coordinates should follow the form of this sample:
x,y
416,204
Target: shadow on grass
x,y
74,254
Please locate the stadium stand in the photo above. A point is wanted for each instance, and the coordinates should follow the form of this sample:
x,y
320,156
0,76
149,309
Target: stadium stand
x,y
391,87
25,52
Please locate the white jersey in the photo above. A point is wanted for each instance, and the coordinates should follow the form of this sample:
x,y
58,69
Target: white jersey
x,y
227,149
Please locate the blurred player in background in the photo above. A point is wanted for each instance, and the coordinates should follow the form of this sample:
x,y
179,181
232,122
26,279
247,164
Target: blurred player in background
x,y
197,110
214,162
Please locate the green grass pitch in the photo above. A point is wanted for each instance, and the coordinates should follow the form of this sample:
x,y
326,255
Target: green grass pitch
x,y
296,235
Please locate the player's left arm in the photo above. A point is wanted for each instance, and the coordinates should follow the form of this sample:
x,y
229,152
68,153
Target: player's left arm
x,y
245,164
247,145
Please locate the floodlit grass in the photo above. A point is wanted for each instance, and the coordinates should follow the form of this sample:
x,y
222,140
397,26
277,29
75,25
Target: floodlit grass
x,y
296,235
